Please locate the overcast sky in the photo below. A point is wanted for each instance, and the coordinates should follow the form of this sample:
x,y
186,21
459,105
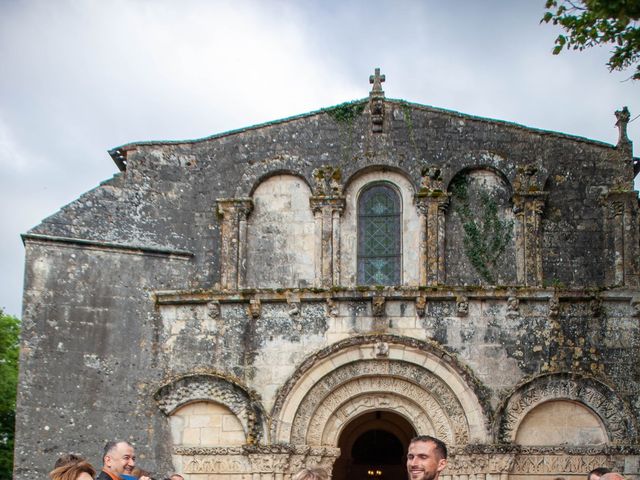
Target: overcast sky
x,y
79,77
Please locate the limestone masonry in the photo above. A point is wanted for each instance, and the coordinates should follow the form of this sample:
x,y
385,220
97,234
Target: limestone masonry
x,y
319,289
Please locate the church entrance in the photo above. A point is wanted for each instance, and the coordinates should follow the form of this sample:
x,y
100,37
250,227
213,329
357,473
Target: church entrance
x,y
373,447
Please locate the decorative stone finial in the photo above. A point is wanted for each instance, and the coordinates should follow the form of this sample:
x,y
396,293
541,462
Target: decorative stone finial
x,y
376,98
623,116
376,80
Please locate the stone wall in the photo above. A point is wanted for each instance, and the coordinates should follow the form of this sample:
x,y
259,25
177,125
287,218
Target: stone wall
x,y
211,287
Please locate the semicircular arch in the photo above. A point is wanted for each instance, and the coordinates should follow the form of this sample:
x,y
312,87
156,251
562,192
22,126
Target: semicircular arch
x,y
213,388
331,388
615,414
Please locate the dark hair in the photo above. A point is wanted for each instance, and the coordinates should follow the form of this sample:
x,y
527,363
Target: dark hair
x,y
598,471
441,447
109,446
67,458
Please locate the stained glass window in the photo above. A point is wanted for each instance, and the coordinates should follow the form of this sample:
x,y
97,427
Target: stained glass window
x,y
379,242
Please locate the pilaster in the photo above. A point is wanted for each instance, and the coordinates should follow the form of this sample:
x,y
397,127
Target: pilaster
x,y
233,241
528,207
327,210
621,237
432,205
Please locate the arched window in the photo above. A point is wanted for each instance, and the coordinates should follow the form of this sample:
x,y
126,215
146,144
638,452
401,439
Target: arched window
x,y
379,242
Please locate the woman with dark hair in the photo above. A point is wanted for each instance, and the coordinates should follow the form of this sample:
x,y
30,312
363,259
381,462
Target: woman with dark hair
x,y
79,470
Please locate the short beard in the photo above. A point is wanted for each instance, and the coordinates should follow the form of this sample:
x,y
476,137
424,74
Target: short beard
x,y
425,476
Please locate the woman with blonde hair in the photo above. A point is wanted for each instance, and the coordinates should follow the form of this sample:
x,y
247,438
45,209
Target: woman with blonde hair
x,y
311,474
78,470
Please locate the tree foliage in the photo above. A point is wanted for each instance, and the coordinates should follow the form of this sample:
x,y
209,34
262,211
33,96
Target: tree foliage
x,y
9,345
599,22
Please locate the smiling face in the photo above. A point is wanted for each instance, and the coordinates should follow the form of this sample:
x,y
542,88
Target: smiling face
x,y
121,459
424,461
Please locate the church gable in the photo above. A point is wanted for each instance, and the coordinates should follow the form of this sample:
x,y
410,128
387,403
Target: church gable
x,y
278,296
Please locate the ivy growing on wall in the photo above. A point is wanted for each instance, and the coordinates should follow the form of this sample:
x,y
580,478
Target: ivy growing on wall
x,y
486,235
346,113
345,116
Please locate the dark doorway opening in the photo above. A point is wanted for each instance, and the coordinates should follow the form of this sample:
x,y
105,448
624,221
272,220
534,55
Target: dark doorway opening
x,y
373,447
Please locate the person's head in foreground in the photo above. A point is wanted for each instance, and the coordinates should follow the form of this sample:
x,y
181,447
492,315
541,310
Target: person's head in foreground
x,y
119,458
612,476
78,470
596,473
426,458
311,474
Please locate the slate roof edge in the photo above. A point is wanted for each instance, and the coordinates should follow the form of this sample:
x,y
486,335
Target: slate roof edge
x,y
102,245
118,154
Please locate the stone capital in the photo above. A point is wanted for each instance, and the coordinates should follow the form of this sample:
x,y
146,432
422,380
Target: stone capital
x,y
232,206
335,203
429,197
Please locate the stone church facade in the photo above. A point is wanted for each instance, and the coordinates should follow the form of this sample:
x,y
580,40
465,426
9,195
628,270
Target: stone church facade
x,y
317,290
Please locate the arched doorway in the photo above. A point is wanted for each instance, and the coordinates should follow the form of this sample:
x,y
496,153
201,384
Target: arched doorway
x,y
373,446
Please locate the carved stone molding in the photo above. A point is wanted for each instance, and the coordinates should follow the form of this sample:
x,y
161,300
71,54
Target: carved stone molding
x,y
261,460
461,464
558,463
471,404
217,389
342,394
614,413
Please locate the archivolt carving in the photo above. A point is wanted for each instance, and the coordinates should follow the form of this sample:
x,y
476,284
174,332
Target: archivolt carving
x,y
614,413
438,408
213,388
421,364
327,424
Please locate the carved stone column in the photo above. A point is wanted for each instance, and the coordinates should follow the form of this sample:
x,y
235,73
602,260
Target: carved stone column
x,y
327,210
432,206
528,208
621,237
233,241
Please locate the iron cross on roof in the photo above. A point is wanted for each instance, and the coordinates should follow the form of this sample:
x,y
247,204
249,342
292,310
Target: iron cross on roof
x,y
376,79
